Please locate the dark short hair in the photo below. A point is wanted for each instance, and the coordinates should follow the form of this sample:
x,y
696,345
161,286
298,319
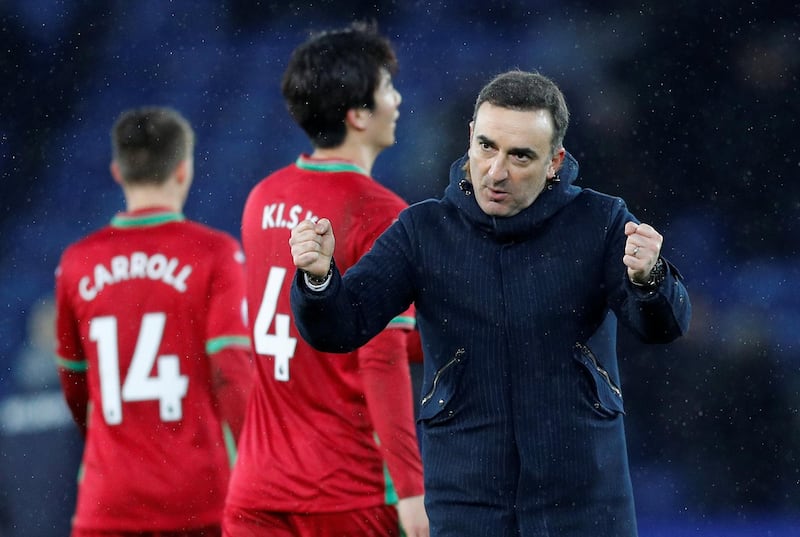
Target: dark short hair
x,y
149,142
332,72
521,90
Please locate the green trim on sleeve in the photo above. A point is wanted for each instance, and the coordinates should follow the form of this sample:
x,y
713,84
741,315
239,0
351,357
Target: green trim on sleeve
x,y
403,321
81,473
223,342
72,365
230,443
390,497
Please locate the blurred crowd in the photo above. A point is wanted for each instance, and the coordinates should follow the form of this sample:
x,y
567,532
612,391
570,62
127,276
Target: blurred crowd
x,y
686,110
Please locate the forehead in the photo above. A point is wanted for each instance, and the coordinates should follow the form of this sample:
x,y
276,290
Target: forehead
x,y
517,128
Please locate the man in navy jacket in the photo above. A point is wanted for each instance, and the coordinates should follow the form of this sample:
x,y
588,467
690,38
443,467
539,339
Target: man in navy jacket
x,y
519,278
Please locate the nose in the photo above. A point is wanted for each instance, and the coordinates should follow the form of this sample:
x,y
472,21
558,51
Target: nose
x,y
497,169
398,97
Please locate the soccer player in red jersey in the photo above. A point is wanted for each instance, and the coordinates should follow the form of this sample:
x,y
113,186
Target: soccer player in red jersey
x,y
329,442
153,350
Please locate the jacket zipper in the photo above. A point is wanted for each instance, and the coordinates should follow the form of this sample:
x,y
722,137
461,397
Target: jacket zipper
x,y
588,353
453,360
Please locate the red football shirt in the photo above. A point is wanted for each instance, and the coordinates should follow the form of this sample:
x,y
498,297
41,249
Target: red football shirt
x,y
321,429
141,305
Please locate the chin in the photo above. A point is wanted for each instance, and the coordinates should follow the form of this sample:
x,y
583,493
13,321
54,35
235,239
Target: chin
x,y
497,209
492,209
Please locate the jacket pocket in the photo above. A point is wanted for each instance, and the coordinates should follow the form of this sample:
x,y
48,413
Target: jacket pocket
x,y
606,393
441,390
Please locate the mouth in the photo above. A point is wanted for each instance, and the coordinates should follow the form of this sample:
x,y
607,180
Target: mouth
x,y
497,196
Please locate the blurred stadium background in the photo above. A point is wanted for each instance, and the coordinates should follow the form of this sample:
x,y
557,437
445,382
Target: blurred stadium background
x,y
688,110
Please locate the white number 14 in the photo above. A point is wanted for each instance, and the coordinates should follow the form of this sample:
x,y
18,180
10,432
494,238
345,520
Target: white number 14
x,y
168,386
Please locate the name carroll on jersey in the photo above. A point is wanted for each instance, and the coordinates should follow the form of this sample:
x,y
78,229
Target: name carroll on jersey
x,y
136,265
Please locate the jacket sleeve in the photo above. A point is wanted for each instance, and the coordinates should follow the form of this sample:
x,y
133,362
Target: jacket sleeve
x,y
660,315
387,387
656,316
352,309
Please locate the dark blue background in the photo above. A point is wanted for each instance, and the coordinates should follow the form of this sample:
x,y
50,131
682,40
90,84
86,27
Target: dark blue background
x,y
688,110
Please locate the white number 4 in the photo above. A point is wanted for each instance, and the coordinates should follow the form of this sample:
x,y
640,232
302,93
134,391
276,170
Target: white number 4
x,y
280,344
168,386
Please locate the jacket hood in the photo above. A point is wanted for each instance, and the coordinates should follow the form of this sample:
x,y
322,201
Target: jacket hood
x,y
521,225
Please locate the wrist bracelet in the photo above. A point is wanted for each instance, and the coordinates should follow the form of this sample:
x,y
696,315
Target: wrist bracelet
x,y
657,275
318,280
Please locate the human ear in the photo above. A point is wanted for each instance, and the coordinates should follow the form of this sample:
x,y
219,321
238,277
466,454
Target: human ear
x,y
115,173
182,171
358,118
555,162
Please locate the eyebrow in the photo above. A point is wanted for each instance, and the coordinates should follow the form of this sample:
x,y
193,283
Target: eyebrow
x,y
525,151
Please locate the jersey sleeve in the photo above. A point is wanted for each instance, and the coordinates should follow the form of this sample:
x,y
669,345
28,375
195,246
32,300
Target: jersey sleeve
x,y
227,342
232,372
70,357
405,321
414,347
387,388
226,325
374,213
383,360
378,212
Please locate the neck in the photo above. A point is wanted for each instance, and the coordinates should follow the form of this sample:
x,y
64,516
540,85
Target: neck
x,y
361,155
145,197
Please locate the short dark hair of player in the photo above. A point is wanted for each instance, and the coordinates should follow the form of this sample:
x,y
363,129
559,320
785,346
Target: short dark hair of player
x,y
523,91
148,143
332,72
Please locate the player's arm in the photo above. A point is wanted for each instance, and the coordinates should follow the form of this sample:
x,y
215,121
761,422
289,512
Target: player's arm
x,y
228,348
387,388
70,359
232,375
76,393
